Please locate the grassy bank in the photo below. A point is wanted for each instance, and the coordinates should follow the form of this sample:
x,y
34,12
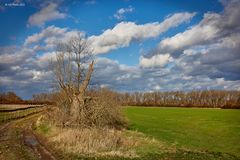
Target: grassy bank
x,y
213,130
164,133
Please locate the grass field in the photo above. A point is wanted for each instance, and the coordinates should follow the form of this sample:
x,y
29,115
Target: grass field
x,y
15,106
213,130
10,112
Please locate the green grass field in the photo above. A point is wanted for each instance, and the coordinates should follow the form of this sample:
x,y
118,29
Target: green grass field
x,y
213,130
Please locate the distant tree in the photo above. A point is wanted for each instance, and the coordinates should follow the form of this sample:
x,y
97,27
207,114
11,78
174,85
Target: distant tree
x,y
207,98
10,97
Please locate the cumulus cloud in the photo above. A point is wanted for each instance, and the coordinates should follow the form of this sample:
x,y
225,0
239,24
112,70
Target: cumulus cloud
x,y
155,61
12,55
48,32
120,36
20,68
210,29
120,77
126,32
226,49
205,56
120,14
218,60
210,62
209,48
47,13
49,37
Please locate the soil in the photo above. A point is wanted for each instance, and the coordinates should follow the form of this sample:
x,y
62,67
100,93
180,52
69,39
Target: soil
x,y
19,142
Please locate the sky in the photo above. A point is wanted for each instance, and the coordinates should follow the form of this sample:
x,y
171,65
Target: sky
x,y
138,45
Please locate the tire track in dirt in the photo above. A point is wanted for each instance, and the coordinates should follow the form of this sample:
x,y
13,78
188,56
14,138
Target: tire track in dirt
x,y
31,140
17,141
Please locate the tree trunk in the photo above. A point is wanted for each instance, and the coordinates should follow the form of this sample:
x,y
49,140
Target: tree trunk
x,y
78,100
74,108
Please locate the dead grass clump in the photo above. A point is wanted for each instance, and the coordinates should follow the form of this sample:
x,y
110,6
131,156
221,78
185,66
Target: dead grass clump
x,y
94,141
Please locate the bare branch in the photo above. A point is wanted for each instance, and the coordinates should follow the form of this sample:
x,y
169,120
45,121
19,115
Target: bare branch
x,y
87,79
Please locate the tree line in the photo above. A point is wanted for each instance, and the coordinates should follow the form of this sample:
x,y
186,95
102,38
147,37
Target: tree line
x,y
13,98
206,99
203,99
10,97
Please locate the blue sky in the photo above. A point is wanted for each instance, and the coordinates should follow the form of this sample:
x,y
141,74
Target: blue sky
x,y
138,45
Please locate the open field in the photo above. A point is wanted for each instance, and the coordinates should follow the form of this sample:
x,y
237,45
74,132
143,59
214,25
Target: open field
x,y
16,106
168,133
213,130
9,112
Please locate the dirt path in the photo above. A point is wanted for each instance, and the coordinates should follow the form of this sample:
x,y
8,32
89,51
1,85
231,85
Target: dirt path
x,y
18,142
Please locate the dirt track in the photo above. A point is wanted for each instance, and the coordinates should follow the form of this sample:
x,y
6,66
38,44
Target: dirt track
x,y
18,142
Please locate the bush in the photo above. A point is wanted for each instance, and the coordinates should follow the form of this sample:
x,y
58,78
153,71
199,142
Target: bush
x,y
104,110
100,109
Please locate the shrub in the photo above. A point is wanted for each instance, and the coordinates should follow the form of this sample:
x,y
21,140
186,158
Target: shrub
x,y
100,109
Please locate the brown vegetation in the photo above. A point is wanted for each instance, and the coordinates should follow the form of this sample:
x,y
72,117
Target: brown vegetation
x,y
12,98
204,99
73,68
207,99
72,75
44,98
95,141
101,109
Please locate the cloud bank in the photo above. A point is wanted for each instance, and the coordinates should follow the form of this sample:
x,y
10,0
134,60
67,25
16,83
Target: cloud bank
x,y
47,13
204,56
125,33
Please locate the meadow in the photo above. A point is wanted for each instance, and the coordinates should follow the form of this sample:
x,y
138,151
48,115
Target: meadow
x,y
11,112
211,130
153,133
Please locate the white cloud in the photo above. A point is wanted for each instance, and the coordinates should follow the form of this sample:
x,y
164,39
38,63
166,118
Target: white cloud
x,y
46,14
196,35
120,14
155,61
120,36
50,31
209,56
215,60
126,32
43,60
210,48
15,55
49,37
212,27
110,73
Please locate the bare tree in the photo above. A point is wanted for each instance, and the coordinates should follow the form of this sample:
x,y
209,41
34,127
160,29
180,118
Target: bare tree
x,y
73,68
207,98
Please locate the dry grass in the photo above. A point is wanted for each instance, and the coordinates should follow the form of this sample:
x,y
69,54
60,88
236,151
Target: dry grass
x,y
16,106
94,141
100,142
